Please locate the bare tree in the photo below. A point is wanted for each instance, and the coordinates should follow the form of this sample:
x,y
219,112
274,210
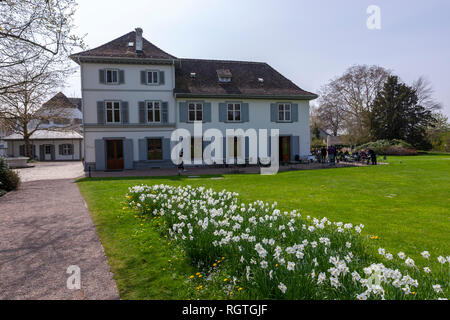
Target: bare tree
x,y
346,101
33,31
425,94
22,110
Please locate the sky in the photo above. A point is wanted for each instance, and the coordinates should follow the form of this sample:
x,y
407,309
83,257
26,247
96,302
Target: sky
x,y
309,42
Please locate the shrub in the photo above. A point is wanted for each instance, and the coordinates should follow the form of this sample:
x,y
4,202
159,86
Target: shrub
x,y
255,251
9,179
390,147
2,192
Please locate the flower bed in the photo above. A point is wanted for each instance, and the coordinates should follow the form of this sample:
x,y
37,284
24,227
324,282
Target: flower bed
x,y
254,251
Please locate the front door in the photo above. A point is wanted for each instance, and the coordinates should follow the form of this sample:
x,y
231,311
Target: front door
x,y
285,149
114,154
48,152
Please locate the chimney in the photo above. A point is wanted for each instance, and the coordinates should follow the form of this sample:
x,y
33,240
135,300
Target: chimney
x,y
138,40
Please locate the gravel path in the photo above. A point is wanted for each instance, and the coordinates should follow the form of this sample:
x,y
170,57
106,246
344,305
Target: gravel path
x,y
52,171
45,227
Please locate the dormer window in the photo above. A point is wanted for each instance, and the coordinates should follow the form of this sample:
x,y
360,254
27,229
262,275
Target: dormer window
x,y
224,75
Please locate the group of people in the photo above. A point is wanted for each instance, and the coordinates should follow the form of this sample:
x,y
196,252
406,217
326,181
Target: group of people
x,y
334,155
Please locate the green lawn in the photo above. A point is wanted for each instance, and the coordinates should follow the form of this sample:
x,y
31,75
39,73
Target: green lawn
x,y
405,203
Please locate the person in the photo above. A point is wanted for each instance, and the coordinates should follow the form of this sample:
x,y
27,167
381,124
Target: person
x,y
331,154
373,157
181,165
323,153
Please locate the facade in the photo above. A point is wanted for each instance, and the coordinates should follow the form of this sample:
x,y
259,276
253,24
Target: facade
x,y
3,145
47,145
59,139
135,95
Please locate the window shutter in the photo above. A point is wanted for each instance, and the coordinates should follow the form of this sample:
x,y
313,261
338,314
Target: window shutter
x,y
33,151
295,142
100,155
222,112
142,149
22,150
161,77
100,112
143,77
60,147
41,152
101,75
128,153
207,112
121,76
141,112
166,148
165,112
273,112
247,149
183,112
294,112
125,112
53,151
244,113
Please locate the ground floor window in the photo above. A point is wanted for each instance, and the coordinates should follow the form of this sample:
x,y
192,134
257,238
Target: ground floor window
x,y
196,148
154,149
234,143
66,149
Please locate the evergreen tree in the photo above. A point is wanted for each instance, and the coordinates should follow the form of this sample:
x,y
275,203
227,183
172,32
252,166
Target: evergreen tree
x,y
396,114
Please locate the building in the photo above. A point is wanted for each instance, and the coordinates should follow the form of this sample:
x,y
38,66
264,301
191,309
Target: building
x,y
135,94
3,146
57,139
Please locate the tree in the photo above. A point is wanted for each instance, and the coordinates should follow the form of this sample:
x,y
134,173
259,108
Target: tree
x,y
22,109
425,94
345,103
439,133
396,114
34,32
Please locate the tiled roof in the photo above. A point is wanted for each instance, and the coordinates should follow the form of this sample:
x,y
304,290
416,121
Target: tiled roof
x,y
245,80
119,48
47,135
61,101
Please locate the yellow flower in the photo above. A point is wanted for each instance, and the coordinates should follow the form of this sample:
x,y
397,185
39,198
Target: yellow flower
x,y
191,277
231,293
200,276
214,264
169,260
374,237
239,289
413,292
225,280
276,265
197,273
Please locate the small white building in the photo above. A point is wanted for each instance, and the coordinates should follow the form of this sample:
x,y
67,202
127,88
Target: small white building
x,y
48,145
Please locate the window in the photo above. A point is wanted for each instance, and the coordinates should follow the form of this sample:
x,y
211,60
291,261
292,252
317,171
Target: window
x,y
195,112
234,112
67,149
234,143
284,112
153,77
112,76
113,112
196,148
224,79
153,111
154,149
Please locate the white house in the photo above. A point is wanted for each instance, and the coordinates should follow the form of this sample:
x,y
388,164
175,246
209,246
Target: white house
x,y
59,138
134,95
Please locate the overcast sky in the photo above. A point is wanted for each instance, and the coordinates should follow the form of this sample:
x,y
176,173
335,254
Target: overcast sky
x,y
309,42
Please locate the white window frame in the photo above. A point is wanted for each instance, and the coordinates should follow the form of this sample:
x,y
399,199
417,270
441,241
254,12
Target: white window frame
x,y
225,79
67,149
285,108
153,107
234,110
147,72
113,117
196,109
117,76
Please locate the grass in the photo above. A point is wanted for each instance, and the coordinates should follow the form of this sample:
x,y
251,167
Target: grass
x,y
406,204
